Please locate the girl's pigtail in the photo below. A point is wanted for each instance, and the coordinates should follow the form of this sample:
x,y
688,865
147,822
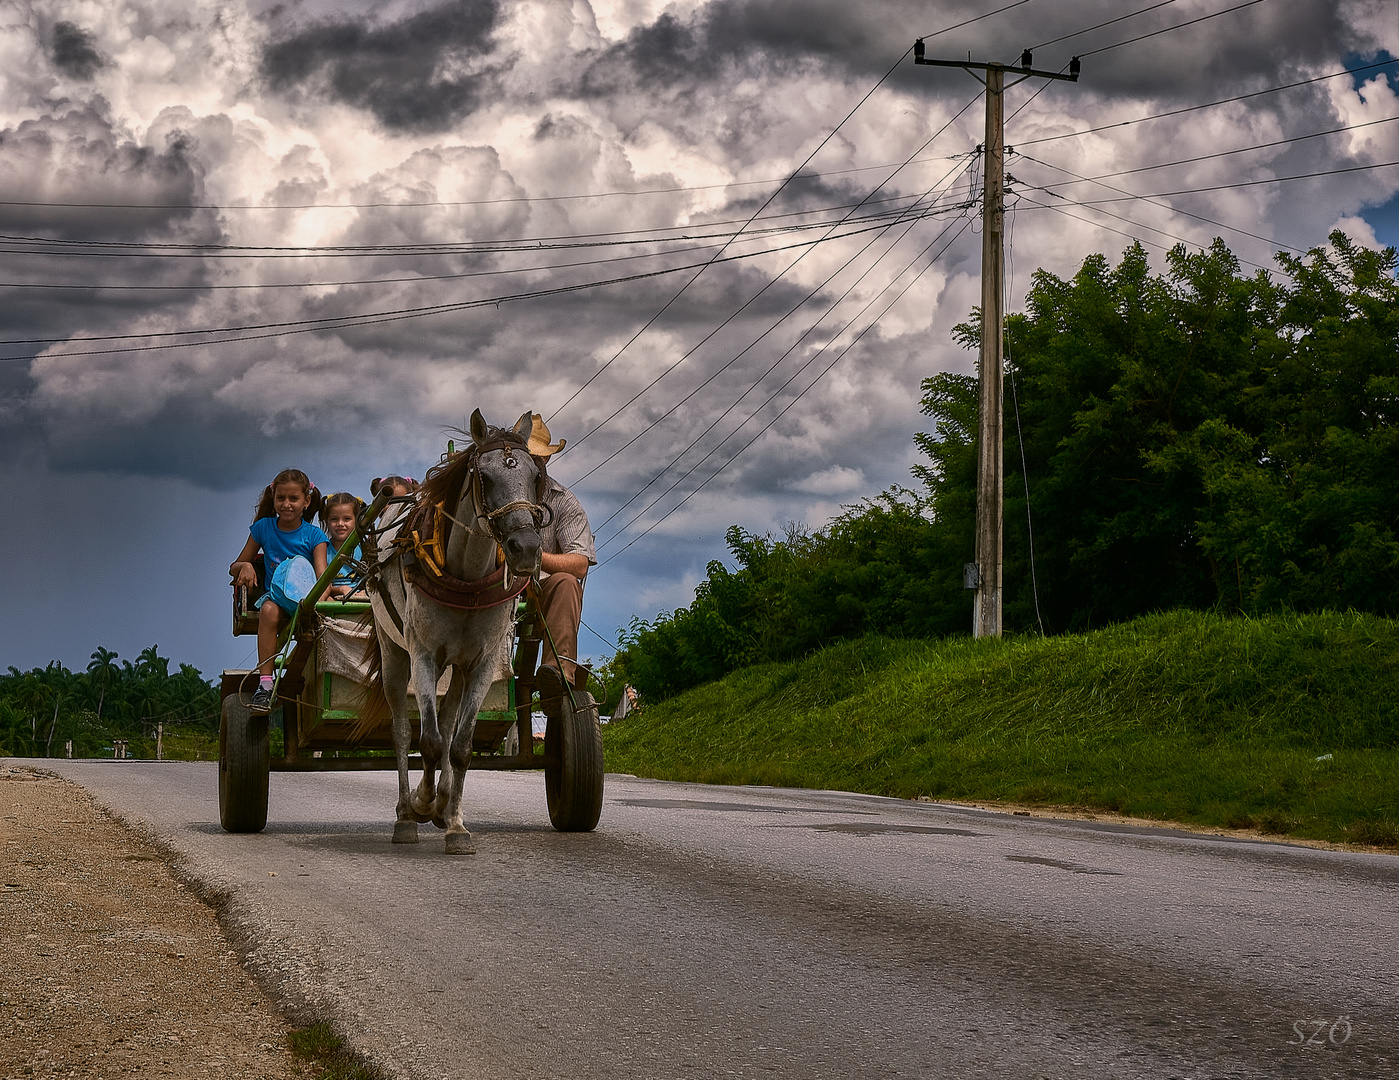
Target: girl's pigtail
x,y
315,504
266,505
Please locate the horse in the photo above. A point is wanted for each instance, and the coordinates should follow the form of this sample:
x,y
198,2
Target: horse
x,y
443,602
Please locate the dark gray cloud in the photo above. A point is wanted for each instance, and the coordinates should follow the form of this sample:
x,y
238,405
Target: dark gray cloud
x,y
422,73
75,51
502,124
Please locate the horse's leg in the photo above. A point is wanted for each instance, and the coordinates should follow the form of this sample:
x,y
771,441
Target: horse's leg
x,y
459,752
447,725
425,676
395,673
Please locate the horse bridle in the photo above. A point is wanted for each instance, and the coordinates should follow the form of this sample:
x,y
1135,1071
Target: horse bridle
x,y
539,510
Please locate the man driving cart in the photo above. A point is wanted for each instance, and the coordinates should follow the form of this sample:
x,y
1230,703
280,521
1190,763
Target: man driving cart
x,y
567,553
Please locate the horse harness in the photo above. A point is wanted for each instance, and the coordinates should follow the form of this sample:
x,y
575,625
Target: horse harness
x,y
421,544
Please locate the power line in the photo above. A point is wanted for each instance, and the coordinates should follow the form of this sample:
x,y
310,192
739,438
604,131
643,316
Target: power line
x,y
978,18
1099,26
152,250
666,306
874,322
1227,153
1130,236
1251,183
824,371
758,381
443,203
1210,104
354,321
1157,203
1168,29
894,215
769,284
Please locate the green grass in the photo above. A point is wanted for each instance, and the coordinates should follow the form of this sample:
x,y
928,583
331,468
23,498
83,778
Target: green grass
x,y
323,1050
1183,716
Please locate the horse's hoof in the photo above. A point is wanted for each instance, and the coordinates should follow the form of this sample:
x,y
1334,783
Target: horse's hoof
x,y
405,832
440,822
419,816
459,843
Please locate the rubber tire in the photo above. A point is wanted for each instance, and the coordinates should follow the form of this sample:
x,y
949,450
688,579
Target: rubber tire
x,y
573,766
245,763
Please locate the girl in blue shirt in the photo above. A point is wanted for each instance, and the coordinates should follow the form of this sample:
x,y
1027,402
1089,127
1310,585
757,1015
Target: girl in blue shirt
x,y
291,548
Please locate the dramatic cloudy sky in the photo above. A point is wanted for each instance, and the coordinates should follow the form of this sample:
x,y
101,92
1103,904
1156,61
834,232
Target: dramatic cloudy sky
x,y
244,234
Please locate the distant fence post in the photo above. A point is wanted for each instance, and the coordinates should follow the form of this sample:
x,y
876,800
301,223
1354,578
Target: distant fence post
x,y
159,739
68,748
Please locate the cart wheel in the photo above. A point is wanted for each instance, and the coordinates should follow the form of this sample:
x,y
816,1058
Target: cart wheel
x,y
244,764
573,765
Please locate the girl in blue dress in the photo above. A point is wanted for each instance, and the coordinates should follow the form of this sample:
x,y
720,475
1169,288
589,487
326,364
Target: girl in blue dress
x,y
338,520
294,556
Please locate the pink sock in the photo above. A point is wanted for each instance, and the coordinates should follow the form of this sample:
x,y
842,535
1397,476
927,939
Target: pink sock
x,y
264,682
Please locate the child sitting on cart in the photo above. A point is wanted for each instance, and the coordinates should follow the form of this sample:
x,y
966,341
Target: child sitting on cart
x,y
338,520
294,553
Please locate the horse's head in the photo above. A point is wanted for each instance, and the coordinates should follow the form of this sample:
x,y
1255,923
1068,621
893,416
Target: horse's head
x,y
508,490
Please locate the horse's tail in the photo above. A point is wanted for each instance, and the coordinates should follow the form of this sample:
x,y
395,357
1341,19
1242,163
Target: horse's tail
x,y
371,703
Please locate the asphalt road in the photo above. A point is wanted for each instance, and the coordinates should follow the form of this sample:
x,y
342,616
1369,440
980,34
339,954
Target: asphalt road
x,y
755,932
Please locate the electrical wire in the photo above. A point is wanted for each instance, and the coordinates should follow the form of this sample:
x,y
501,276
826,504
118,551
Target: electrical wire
x,y
666,306
334,322
1249,183
769,284
1099,26
151,249
1209,104
978,18
1227,153
759,380
874,322
1169,29
1034,204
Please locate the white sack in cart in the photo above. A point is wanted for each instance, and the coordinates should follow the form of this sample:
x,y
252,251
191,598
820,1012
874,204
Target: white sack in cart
x,y
340,652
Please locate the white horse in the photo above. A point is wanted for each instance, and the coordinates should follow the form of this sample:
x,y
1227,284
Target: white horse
x,y
444,602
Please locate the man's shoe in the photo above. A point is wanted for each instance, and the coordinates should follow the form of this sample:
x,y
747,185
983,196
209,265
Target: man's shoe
x,y
551,689
261,704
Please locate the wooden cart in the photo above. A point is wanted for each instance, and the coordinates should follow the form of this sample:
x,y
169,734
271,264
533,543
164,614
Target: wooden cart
x,y
315,711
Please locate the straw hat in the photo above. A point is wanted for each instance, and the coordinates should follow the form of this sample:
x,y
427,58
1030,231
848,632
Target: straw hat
x,y
539,438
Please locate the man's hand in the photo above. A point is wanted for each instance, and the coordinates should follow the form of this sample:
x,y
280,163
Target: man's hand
x,y
574,564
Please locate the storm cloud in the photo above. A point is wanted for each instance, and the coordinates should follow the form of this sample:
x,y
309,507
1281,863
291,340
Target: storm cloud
x,y
255,234
422,73
74,51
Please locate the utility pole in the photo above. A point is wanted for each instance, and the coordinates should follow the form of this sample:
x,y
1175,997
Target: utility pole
x,y
990,498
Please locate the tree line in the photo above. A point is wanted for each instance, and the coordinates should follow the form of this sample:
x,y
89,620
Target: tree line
x,y
1198,438
41,709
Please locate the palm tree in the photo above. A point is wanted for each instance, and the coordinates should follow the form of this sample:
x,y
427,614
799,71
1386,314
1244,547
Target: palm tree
x,y
103,670
150,662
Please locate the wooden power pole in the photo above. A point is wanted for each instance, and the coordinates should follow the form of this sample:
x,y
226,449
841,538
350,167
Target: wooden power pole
x,y
990,498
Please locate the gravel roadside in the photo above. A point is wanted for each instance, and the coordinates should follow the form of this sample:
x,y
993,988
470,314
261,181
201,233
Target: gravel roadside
x,y
109,965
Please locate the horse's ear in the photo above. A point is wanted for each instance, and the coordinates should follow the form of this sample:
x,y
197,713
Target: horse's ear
x,y
479,427
524,425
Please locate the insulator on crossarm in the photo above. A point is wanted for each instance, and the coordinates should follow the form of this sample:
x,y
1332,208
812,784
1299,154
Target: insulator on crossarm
x,y
1026,58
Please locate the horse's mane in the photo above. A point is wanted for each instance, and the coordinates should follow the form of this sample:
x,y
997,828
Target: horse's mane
x,y
443,482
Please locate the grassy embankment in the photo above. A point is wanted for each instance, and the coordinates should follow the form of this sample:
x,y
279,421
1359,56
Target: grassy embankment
x,y
1183,716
